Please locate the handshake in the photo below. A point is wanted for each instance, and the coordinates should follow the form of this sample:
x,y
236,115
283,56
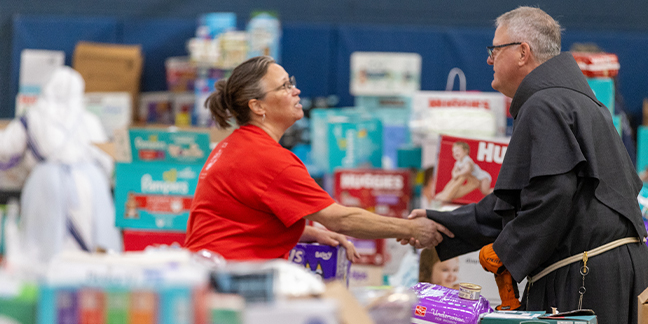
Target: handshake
x,y
425,232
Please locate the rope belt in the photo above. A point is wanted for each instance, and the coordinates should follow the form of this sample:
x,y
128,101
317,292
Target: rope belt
x,y
583,257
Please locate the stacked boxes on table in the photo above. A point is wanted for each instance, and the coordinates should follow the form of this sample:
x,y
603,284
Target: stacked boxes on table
x,y
158,287
600,69
155,183
384,192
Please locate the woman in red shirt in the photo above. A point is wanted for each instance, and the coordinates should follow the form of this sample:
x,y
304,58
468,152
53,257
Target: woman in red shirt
x,y
253,195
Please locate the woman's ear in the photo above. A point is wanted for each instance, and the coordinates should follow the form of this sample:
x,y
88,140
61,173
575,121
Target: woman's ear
x,y
256,106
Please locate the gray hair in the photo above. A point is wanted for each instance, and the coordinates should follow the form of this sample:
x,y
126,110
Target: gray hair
x,y
534,27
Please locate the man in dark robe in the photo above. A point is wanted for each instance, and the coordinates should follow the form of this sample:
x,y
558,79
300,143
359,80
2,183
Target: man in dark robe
x,y
566,186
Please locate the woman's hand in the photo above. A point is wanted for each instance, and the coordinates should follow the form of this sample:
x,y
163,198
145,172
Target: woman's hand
x,y
326,237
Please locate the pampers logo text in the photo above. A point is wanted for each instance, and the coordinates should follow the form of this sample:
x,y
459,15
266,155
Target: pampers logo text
x,y
149,145
165,187
371,181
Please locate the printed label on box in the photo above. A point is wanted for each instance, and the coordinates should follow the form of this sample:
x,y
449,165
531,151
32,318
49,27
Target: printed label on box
x,y
330,262
154,196
384,192
162,146
355,144
380,73
467,168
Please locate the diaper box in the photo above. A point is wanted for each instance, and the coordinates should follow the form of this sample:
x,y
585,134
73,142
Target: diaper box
x,y
162,145
330,262
153,195
483,156
384,192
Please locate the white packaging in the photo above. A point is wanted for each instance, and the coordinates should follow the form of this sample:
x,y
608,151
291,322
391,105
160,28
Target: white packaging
x,y
36,68
305,311
458,113
114,109
385,74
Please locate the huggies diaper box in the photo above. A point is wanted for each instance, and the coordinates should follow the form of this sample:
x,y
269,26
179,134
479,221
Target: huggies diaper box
x,y
384,192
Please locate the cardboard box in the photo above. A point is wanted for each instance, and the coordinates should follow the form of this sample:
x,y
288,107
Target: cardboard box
x,y
515,317
603,89
330,262
385,74
162,145
597,64
384,192
346,137
154,195
305,311
362,275
458,113
114,110
487,155
355,144
643,307
109,68
138,240
351,312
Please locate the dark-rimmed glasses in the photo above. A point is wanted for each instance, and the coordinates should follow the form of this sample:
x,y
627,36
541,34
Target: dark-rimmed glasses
x,y
491,48
288,85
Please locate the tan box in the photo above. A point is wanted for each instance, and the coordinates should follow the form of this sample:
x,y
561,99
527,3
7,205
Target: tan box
x,y
643,307
362,275
109,68
4,123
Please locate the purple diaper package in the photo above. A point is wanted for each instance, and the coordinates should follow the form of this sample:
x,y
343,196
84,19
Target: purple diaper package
x,y
438,304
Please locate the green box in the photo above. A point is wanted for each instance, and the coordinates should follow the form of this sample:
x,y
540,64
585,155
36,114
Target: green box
x,y
604,91
516,317
151,145
154,195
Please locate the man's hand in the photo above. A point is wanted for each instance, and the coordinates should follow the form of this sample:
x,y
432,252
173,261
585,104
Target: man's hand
x,y
428,232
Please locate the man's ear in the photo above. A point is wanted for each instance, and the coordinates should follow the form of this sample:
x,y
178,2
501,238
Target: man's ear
x,y
256,107
524,54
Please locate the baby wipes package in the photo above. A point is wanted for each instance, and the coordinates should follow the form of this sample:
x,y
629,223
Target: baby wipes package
x,y
438,304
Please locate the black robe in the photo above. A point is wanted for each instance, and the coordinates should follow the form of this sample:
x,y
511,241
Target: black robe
x,y
566,185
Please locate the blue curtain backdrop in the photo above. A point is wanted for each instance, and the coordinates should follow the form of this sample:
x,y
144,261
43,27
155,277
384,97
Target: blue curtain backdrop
x,y
319,36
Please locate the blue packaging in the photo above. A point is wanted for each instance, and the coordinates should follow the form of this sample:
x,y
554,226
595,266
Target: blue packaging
x,y
211,25
154,196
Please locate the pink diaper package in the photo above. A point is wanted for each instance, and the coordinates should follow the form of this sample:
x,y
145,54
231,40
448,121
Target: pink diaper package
x,y
438,304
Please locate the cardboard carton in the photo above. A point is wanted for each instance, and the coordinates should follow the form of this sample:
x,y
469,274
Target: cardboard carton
x,y
597,64
162,145
109,68
643,307
138,240
486,155
515,317
154,195
330,262
384,192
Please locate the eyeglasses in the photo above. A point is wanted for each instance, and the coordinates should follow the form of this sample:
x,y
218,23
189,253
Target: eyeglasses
x,y
491,48
288,85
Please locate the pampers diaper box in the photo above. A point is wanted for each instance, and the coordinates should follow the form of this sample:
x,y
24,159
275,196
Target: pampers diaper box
x,y
161,145
154,196
156,176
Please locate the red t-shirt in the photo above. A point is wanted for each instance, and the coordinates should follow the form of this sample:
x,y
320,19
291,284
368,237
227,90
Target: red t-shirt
x,y
251,198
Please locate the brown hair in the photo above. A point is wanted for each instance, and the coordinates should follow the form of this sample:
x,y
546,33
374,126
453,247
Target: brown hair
x,y
231,97
463,145
429,258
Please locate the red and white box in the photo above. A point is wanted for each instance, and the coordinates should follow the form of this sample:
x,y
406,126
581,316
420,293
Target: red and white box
x,y
467,168
139,240
597,64
384,192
